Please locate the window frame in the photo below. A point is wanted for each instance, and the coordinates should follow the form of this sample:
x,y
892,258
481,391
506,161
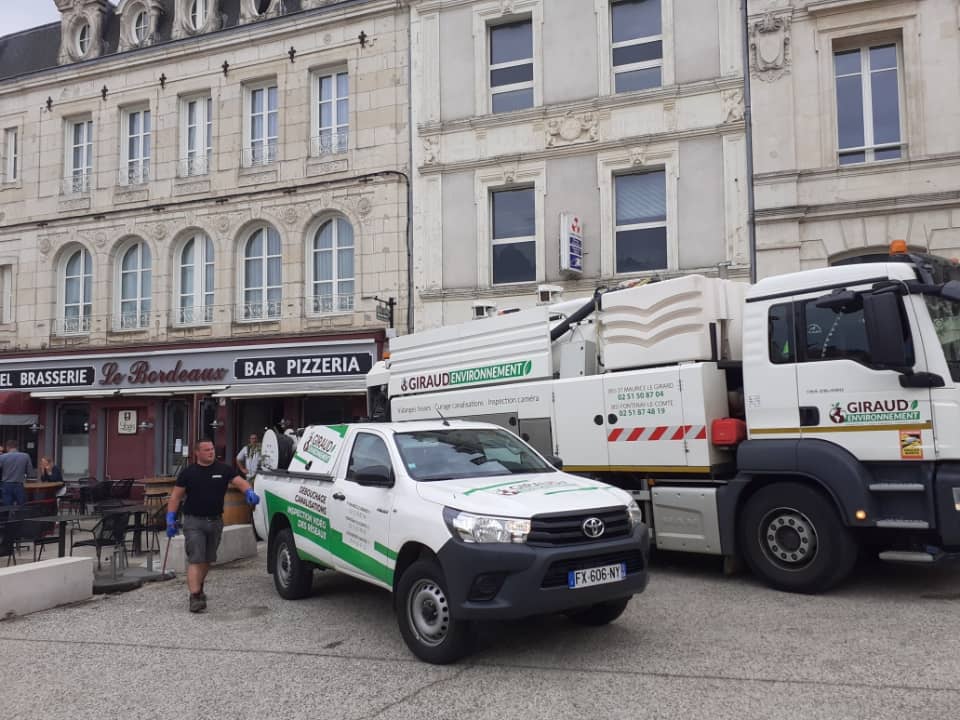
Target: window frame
x,y
200,312
82,38
640,40
77,180
512,240
136,28
199,163
264,288
143,274
85,303
136,170
11,155
605,69
197,14
617,229
866,74
340,139
251,157
492,13
493,67
7,275
336,278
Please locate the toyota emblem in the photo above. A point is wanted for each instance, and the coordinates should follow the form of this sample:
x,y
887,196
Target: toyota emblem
x,y
593,527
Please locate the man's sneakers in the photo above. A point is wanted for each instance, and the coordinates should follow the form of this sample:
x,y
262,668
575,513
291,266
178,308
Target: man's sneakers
x,y
198,602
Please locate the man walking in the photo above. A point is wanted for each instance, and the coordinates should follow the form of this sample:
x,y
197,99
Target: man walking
x,y
14,468
248,459
201,487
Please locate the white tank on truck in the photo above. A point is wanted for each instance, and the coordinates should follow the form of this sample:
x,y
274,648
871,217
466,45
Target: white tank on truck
x,y
791,423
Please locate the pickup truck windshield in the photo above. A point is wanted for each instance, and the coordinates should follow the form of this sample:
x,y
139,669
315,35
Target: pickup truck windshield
x,y
945,315
433,455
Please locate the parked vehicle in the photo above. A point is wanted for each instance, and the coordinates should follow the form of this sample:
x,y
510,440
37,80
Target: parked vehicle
x,y
791,423
461,521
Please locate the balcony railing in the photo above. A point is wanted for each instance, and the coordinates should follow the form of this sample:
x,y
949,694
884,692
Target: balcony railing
x,y
321,304
76,184
185,316
330,143
193,166
71,325
134,175
261,311
133,320
260,154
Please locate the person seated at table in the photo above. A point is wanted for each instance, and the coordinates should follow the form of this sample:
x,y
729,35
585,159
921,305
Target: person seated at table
x,y
50,473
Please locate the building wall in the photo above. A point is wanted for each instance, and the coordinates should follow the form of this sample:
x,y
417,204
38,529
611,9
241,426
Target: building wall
x,y
569,145
813,209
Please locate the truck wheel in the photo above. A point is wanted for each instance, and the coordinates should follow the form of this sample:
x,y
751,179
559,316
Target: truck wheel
x,y
292,576
600,614
423,613
791,537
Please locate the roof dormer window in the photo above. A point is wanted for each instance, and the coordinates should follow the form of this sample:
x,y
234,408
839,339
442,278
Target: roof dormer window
x,y
141,27
193,17
83,39
253,10
198,14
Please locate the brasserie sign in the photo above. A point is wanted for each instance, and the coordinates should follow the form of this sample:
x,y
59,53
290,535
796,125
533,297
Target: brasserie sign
x,y
47,378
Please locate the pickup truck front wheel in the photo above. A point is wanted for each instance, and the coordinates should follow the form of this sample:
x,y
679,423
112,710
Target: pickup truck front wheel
x,y
423,613
292,576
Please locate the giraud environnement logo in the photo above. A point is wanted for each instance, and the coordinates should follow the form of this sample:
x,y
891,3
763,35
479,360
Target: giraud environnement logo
x,y
861,412
467,376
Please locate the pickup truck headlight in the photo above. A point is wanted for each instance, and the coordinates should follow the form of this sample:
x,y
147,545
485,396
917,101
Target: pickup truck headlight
x,y
486,528
635,514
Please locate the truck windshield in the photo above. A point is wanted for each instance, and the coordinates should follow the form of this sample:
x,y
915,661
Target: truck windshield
x,y
432,455
945,315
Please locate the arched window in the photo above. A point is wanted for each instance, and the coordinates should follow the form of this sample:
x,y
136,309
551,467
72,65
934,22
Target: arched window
x,y
332,267
195,278
262,275
83,38
135,287
77,291
141,26
198,13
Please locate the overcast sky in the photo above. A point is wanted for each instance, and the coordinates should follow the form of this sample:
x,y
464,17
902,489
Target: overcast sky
x,y
22,14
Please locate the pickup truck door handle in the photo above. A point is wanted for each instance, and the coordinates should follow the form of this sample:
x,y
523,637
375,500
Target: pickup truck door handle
x,y
339,496
809,416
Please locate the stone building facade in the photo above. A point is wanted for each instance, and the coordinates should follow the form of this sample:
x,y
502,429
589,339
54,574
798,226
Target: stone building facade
x,y
856,108
203,182
619,123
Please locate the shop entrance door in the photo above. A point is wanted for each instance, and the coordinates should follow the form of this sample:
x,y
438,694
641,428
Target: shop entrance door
x,y
74,441
129,454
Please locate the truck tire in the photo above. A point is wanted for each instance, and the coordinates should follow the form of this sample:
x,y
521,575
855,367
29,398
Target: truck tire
x,y
600,614
423,614
292,576
792,537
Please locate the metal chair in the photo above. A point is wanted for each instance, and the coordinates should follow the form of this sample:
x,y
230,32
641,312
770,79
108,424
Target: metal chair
x,y
111,531
38,533
9,539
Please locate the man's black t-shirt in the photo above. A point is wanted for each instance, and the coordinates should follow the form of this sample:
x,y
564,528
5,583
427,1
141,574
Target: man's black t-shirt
x,y
206,486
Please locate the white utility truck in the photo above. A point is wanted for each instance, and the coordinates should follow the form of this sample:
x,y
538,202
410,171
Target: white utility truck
x,y
790,423
461,521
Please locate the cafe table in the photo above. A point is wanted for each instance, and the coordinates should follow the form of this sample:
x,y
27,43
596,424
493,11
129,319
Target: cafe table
x,y
42,490
62,519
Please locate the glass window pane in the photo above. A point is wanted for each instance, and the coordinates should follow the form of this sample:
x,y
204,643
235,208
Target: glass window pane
x,y
513,100
186,255
343,85
644,52
638,80
514,213
780,339
344,233
832,334
345,287
87,262
186,278
274,269
71,290
134,123
272,98
326,115
883,57
256,101
639,250
146,121
323,265
145,261
847,62
272,125
73,264
345,263
130,259
511,75
850,112
511,42
255,245
273,242
326,88
324,237
514,262
886,107
146,285
641,198
343,111
128,285
253,274
635,19
887,154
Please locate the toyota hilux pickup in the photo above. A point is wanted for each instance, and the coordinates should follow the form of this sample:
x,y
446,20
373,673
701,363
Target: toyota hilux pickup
x,y
461,521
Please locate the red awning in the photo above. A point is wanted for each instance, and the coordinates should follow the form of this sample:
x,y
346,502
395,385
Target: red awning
x,y
18,403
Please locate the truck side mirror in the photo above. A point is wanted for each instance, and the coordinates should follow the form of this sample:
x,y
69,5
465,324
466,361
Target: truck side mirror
x,y
951,291
886,332
374,476
555,461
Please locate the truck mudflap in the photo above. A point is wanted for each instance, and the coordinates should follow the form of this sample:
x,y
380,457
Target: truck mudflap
x,y
500,581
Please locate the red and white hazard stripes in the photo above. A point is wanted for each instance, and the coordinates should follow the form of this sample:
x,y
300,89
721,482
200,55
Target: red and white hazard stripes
x,y
658,432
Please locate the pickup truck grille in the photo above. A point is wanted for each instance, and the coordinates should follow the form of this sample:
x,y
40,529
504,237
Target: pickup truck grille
x,y
556,575
567,528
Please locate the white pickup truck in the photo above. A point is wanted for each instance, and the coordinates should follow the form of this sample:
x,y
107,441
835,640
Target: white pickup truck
x,y
462,521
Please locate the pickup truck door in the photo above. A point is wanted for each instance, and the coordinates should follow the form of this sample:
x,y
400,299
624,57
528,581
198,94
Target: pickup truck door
x,y
360,515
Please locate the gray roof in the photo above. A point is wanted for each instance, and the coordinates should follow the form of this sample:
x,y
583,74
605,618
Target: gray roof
x,y
37,49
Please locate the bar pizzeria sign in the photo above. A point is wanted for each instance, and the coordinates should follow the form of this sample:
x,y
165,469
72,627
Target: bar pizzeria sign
x,y
302,366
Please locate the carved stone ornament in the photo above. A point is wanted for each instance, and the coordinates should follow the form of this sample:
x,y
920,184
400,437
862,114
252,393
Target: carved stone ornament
x,y
183,24
364,206
82,23
129,10
222,223
290,214
732,105
431,151
249,10
770,47
45,246
158,232
100,239
506,7
637,156
571,128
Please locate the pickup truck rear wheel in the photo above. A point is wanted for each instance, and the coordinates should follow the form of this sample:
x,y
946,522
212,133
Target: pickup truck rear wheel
x,y
600,614
424,617
792,537
292,576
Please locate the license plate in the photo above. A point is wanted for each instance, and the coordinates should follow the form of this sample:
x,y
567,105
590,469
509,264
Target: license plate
x,y
596,576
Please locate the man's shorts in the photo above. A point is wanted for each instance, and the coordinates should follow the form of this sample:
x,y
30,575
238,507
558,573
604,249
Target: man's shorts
x,y
202,537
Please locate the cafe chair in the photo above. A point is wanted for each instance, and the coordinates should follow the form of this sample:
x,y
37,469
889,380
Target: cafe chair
x,y
39,533
9,539
77,496
111,531
156,524
100,495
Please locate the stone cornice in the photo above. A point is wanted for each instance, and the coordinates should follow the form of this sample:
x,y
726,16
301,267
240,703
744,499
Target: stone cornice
x,y
861,208
861,170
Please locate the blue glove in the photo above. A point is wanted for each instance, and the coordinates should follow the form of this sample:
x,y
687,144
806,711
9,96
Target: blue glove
x,y
171,524
252,497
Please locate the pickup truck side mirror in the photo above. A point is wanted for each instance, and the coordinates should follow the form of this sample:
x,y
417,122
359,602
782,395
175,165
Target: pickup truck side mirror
x,y
886,333
374,476
555,461
951,291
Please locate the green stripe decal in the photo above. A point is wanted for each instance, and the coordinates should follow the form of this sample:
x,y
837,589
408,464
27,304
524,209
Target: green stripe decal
x,y
558,492
315,527
491,487
340,430
301,458
384,550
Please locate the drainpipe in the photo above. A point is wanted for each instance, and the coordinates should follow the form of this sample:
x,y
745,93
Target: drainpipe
x,y
411,135
748,125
